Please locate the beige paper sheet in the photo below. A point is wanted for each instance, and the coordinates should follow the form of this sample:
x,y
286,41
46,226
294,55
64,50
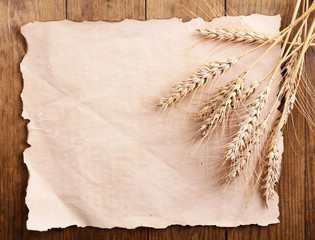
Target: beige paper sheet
x,y
101,154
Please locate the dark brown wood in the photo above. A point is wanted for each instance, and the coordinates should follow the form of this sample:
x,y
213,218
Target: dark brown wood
x,y
187,232
185,9
291,190
297,186
113,10
309,156
292,185
267,7
13,172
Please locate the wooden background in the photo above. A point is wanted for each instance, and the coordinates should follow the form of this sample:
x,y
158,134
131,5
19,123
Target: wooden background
x,y
297,187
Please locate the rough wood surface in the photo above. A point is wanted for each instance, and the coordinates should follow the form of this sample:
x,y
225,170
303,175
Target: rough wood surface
x,y
13,172
111,10
309,159
184,9
297,186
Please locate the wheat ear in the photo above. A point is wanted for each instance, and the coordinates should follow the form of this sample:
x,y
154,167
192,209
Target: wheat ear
x,y
271,153
222,106
234,35
209,107
249,90
245,136
290,90
199,79
272,156
271,170
288,82
254,141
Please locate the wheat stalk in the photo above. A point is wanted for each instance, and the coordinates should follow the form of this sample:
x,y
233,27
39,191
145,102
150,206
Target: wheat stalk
x,y
200,78
230,97
272,156
271,151
246,135
234,35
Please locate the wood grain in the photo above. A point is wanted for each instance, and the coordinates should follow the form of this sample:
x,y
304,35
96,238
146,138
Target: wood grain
x,y
13,172
292,185
267,7
187,232
297,186
309,156
185,9
113,10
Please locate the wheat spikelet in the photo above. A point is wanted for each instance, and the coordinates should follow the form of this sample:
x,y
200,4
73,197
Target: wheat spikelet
x,y
292,85
234,35
287,81
291,99
209,107
249,90
246,135
242,158
230,97
214,102
271,170
272,156
200,78
271,152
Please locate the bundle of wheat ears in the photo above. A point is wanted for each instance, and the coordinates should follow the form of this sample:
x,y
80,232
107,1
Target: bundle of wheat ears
x,y
295,40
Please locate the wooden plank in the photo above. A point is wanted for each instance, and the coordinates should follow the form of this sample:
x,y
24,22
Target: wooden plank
x,y
185,9
187,232
267,7
309,155
112,10
310,148
291,191
295,221
158,9
13,172
292,187
75,233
